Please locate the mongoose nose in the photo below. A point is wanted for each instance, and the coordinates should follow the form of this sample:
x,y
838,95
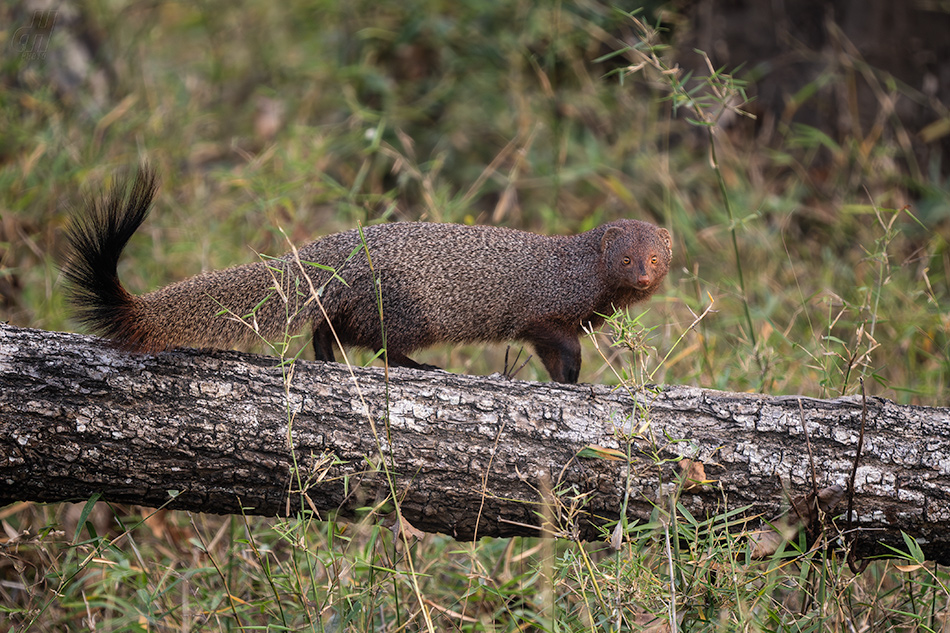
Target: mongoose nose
x,y
643,281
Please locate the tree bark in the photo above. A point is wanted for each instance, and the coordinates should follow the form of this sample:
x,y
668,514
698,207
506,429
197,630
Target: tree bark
x,y
468,456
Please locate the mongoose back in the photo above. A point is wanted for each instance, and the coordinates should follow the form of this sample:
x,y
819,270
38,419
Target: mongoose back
x,y
437,283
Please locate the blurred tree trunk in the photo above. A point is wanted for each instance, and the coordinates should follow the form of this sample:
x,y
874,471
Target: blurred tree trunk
x,y
468,456
867,70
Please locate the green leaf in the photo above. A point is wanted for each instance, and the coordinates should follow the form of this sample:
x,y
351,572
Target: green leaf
x,y
86,511
599,452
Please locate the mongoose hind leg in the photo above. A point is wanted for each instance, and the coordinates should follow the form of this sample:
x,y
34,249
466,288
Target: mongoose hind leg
x,y
561,354
323,343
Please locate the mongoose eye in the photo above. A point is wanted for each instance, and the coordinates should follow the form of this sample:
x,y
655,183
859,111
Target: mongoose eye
x,y
653,259
625,261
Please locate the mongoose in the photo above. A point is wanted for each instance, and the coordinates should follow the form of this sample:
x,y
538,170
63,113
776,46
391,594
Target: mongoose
x,y
436,283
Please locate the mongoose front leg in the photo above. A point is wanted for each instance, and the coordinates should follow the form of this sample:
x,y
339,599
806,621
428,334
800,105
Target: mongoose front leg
x,y
561,354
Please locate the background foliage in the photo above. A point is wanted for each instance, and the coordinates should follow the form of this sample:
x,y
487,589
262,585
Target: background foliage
x,y
306,117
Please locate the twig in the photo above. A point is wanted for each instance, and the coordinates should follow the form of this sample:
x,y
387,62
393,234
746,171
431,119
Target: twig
x,y
811,458
855,568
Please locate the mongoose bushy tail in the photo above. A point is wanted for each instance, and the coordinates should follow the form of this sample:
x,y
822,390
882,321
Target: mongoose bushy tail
x,y
435,283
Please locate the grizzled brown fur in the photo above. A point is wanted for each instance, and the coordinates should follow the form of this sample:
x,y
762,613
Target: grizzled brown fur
x,y
438,283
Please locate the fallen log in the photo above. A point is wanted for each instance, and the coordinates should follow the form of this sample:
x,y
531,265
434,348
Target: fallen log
x,y
468,456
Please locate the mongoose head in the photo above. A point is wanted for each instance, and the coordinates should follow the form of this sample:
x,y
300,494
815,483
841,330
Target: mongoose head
x,y
636,254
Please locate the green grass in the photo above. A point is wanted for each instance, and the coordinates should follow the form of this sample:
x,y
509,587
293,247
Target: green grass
x,y
472,112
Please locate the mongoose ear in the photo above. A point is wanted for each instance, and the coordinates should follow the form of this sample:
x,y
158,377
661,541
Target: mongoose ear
x,y
665,235
612,233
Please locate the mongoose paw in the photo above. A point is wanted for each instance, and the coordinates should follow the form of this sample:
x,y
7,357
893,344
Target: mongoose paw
x,y
401,360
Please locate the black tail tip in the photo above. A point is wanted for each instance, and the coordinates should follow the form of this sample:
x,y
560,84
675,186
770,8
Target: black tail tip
x,y
96,235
